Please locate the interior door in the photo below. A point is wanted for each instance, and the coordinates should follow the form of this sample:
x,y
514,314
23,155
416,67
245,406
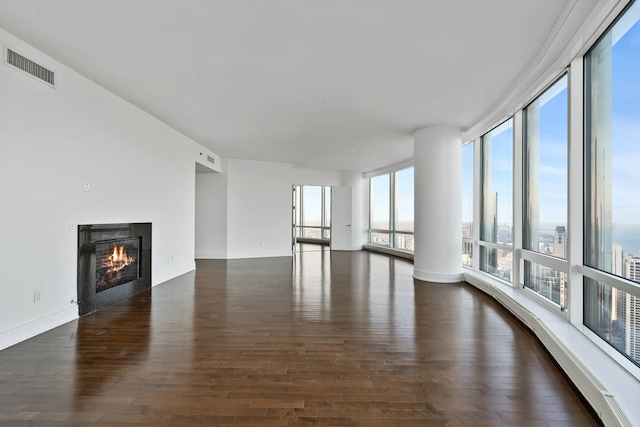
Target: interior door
x,y
341,219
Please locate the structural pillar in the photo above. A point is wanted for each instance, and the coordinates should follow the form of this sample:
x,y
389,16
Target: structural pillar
x,y
438,204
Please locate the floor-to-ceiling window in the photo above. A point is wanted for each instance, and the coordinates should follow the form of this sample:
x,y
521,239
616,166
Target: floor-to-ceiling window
x,y
612,181
403,210
545,170
391,210
496,226
467,204
380,210
314,212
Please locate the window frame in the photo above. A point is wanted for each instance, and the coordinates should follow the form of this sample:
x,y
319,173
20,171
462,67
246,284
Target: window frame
x,y
531,256
392,232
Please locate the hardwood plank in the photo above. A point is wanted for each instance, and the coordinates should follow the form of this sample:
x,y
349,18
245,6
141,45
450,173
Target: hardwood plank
x,y
340,339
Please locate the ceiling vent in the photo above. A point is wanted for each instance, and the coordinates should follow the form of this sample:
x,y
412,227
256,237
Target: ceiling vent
x,y
28,66
211,160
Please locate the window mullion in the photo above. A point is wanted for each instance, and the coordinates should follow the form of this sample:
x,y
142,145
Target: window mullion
x,y
575,225
518,199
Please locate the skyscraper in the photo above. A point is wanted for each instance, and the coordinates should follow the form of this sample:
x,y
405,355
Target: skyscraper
x,y
560,242
632,309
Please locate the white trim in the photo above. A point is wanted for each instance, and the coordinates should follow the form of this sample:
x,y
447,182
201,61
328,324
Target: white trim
x,y
491,245
517,197
575,185
258,254
625,285
35,327
211,255
387,250
559,264
438,277
477,200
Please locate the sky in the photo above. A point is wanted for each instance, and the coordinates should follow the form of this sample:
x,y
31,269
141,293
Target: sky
x,y
626,124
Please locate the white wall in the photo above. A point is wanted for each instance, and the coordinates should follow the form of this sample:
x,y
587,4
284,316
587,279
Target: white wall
x,y
314,177
211,215
259,205
52,141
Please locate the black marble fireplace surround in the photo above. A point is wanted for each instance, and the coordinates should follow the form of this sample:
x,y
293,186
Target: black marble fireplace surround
x,y
99,286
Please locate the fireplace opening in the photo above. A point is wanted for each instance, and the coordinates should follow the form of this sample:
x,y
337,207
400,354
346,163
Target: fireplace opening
x,y
114,263
117,262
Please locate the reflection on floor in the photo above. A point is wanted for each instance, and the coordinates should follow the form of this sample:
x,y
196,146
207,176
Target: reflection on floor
x,y
330,338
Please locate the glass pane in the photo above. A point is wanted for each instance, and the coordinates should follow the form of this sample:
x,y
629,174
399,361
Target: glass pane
x,y
404,200
379,205
546,145
312,233
467,190
327,206
614,315
467,253
497,262
404,241
298,218
326,233
545,281
312,205
380,239
613,154
497,184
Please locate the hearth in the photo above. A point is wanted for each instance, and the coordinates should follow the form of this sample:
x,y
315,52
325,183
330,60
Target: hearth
x,y
114,262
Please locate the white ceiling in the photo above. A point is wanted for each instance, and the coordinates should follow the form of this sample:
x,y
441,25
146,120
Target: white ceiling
x,y
331,84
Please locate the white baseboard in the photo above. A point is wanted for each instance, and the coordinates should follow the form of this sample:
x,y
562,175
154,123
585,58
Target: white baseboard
x,y
255,254
36,327
172,273
588,367
211,255
438,277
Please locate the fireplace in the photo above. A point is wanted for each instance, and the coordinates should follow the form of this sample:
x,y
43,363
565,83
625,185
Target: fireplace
x,y
117,262
114,262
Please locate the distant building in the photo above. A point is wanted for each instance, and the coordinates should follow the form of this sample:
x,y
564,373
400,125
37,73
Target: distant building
x,y
560,242
631,267
617,261
632,309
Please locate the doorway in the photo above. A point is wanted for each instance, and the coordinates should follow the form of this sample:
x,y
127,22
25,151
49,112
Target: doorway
x,y
311,229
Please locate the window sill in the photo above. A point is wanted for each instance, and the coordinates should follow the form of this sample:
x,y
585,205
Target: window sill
x,y
325,242
611,389
389,251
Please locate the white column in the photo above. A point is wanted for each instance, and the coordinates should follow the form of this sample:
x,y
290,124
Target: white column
x,y
438,204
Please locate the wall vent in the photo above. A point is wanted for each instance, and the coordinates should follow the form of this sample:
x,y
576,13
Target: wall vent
x,y
28,66
619,414
211,160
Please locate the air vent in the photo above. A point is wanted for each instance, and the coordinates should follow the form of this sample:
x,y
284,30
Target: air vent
x,y
617,411
28,66
211,160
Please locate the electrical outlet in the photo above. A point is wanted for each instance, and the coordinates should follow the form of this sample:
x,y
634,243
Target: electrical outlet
x,y
87,186
36,296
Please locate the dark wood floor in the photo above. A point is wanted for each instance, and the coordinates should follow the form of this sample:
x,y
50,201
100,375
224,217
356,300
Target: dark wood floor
x,y
342,339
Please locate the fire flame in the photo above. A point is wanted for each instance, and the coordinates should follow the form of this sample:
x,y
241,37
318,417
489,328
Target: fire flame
x,y
118,258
